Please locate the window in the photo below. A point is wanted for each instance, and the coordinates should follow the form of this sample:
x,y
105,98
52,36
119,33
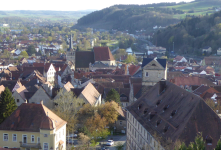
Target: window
x,y
5,147
146,74
121,123
38,139
209,140
14,137
17,100
45,135
45,146
32,138
5,137
24,138
159,75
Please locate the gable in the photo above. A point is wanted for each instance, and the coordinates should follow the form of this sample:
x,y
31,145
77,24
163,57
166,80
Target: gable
x,y
153,65
102,54
146,61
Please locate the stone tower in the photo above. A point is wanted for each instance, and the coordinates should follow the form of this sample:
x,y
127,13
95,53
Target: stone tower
x,y
70,54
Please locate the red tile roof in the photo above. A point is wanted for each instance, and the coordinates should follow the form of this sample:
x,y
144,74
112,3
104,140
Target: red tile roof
x,y
178,58
103,54
32,117
191,81
133,69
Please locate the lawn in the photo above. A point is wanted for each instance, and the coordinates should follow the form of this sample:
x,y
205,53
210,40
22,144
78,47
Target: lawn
x,y
198,6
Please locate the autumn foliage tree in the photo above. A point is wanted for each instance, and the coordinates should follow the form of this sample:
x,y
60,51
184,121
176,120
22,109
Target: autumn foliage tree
x,y
109,111
67,108
96,126
97,118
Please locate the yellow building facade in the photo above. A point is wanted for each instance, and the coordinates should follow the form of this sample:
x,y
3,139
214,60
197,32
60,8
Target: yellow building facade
x,y
53,138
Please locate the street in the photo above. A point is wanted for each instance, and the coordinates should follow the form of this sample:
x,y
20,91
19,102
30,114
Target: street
x,y
118,139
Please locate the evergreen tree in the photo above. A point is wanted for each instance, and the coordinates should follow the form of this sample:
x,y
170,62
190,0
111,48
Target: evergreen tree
x,y
113,95
218,146
199,144
183,147
7,104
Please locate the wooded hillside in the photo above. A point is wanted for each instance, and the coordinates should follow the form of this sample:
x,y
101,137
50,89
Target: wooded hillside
x,y
131,17
192,34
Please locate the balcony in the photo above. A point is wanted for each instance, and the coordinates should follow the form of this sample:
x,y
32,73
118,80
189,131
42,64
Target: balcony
x,y
30,145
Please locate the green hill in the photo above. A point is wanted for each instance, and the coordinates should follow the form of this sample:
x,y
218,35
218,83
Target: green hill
x,y
135,17
192,34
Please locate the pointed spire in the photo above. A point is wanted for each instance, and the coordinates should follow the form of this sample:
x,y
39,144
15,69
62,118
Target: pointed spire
x,y
70,43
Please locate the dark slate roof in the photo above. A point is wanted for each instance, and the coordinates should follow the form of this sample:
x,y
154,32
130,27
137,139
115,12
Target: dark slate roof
x,y
28,95
83,59
190,113
138,74
162,62
9,83
200,90
77,92
143,89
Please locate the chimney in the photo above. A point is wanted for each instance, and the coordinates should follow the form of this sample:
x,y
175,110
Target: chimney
x,y
162,86
41,102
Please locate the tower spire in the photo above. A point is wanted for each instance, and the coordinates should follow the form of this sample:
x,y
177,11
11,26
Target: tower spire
x,y
70,43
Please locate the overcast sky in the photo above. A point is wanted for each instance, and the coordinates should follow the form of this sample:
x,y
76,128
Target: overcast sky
x,y
71,5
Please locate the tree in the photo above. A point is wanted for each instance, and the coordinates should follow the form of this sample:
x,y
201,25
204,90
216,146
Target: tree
x,y
84,139
113,95
50,38
119,53
7,104
119,146
218,146
24,54
67,108
131,59
109,111
31,49
199,144
214,106
96,126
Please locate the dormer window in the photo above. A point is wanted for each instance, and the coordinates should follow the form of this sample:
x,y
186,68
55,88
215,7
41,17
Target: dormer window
x,y
145,111
139,106
173,113
165,108
151,115
166,128
158,102
158,122
209,140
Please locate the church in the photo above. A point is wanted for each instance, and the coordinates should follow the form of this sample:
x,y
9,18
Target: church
x,y
99,57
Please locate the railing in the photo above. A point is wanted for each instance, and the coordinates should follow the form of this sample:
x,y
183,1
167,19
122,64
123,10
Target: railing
x,y
30,145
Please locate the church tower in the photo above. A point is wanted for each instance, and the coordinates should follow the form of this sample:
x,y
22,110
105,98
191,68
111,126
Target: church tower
x,y
70,54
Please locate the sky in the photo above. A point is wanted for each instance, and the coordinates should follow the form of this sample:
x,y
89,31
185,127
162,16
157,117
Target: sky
x,y
71,5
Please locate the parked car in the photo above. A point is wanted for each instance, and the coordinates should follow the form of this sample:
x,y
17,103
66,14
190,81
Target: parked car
x,y
104,148
110,143
72,135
